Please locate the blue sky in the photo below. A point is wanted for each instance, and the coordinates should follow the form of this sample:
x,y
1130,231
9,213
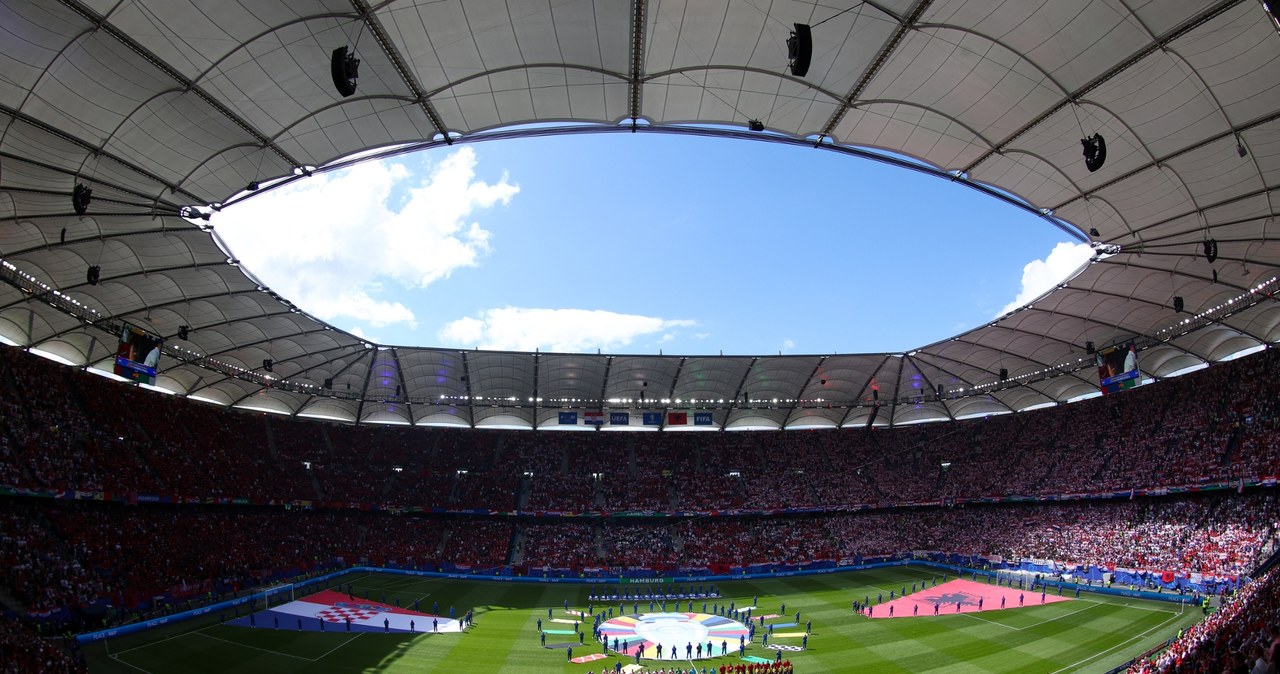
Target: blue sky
x,y
635,243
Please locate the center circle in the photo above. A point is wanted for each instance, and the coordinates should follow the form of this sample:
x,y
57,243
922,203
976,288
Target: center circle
x,y
671,628
679,635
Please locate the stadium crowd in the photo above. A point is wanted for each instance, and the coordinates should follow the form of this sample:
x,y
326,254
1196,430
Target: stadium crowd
x,y
71,430
24,652
64,429
84,555
1241,637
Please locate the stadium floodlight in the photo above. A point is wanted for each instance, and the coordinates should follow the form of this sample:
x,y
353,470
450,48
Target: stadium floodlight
x,y
755,125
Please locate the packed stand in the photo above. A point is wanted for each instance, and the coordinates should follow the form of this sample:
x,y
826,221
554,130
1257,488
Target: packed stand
x,y
65,429
1243,635
560,546
24,651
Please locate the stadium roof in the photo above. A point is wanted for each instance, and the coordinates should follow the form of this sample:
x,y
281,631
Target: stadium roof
x,y
166,105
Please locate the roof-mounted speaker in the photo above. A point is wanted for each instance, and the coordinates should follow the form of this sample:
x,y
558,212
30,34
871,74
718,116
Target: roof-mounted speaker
x,y
80,198
800,50
345,69
1211,250
1095,152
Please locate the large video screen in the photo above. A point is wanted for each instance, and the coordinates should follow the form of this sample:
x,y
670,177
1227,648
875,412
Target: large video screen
x,y
1118,368
138,354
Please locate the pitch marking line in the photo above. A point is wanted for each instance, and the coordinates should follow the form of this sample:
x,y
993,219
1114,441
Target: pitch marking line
x,y
357,636
126,663
1042,622
1132,606
1049,620
160,641
264,650
408,584
992,622
1122,643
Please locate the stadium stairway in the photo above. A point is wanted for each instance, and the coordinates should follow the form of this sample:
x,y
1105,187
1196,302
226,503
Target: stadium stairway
x,y
515,549
9,603
632,470
1233,445
522,493
453,488
271,440
387,486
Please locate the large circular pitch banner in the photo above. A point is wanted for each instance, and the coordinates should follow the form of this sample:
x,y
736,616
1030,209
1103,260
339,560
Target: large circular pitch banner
x,y
673,636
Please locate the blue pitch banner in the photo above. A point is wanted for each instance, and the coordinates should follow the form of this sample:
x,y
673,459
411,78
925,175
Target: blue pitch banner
x,y
620,418
653,418
702,419
569,418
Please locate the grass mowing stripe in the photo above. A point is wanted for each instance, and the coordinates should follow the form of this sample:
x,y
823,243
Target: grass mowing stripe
x,y
1098,655
126,663
264,650
330,651
975,616
505,637
156,643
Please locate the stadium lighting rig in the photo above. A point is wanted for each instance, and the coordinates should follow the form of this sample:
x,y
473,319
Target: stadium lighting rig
x,y
89,317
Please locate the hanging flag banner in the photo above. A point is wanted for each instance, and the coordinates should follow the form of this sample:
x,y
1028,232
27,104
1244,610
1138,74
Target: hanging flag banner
x,y
677,418
653,418
620,418
569,418
702,419
593,418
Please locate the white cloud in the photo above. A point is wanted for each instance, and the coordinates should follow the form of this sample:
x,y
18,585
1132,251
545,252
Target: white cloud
x,y
788,344
360,333
330,242
1038,276
572,330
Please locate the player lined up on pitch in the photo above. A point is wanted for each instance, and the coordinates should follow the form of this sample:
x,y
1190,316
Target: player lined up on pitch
x,y
672,631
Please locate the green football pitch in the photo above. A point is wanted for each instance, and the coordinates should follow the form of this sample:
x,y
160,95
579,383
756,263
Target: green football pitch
x,y
1091,634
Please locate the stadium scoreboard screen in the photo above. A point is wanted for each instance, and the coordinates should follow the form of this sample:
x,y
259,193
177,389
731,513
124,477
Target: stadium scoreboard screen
x,y
1118,368
137,355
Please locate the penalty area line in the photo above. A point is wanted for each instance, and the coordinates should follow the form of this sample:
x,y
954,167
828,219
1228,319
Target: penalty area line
x,y
1132,606
1042,622
1064,615
149,644
126,663
264,650
331,650
992,622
